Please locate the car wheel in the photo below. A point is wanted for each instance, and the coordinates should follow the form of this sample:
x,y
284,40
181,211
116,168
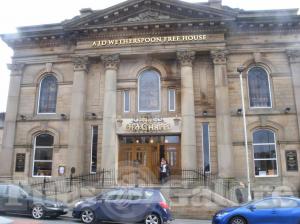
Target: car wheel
x,y
238,220
152,219
88,216
37,212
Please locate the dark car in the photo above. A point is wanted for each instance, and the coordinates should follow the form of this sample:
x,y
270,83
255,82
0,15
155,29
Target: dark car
x,y
26,201
134,205
273,210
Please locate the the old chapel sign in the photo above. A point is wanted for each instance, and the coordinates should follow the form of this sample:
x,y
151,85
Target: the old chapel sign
x,y
148,40
148,125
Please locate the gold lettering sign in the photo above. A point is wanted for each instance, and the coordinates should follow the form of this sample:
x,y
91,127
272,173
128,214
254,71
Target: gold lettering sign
x,y
147,40
146,125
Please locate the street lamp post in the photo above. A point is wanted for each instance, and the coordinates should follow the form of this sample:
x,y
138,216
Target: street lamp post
x,y
240,70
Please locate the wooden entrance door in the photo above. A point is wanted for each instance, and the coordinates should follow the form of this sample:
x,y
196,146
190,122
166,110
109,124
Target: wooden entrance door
x,y
171,153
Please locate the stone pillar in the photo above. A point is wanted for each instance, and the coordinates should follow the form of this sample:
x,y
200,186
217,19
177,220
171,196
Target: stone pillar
x,y
109,140
223,117
77,116
294,59
7,152
188,135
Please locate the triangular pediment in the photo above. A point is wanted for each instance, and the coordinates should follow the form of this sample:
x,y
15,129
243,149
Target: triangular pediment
x,y
143,11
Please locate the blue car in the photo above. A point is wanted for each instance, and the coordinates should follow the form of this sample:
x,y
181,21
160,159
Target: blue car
x,y
273,210
133,205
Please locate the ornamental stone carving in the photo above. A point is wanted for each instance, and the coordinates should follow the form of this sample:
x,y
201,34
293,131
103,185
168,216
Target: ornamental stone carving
x,y
219,57
16,69
186,58
111,61
81,63
149,16
294,56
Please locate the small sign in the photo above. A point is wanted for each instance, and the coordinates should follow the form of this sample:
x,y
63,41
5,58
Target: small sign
x,y
61,170
291,160
20,162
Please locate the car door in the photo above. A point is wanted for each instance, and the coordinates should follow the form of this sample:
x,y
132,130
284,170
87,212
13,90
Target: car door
x,y
289,211
264,212
3,197
114,205
17,200
137,205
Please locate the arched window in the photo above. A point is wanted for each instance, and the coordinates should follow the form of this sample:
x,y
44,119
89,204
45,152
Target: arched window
x,y
149,91
259,88
42,156
47,95
265,155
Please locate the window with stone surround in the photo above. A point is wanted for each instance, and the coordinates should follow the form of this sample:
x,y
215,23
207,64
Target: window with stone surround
x,y
172,99
47,95
126,103
149,91
206,147
265,155
259,88
42,155
94,149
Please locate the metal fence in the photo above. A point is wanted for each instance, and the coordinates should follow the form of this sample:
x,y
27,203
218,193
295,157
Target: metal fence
x,y
129,176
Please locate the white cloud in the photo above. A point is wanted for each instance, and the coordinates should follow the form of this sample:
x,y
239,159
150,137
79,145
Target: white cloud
x,y
15,13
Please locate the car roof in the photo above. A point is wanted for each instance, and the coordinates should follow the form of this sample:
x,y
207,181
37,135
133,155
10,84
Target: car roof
x,y
136,188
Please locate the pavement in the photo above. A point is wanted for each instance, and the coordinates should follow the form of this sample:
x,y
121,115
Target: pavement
x,y
16,219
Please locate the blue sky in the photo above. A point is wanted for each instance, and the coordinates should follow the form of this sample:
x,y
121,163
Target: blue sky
x,y
16,13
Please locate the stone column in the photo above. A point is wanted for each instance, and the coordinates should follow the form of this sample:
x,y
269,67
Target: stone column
x,y
77,115
7,152
188,133
223,117
294,59
109,140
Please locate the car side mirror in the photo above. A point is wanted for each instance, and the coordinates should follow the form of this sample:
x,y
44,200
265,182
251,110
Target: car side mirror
x,y
24,195
252,207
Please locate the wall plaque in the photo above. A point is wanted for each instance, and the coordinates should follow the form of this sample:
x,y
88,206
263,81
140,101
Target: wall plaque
x,y
291,160
20,162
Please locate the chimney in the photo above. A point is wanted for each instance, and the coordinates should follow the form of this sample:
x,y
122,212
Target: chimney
x,y
215,4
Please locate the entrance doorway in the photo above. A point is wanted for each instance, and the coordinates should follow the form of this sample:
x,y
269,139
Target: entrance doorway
x,y
144,153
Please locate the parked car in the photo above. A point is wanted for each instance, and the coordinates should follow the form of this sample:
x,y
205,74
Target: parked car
x,y
134,205
273,210
24,200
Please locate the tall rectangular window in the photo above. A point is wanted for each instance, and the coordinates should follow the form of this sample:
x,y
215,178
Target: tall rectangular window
x,y
206,147
126,105
172,99
94,149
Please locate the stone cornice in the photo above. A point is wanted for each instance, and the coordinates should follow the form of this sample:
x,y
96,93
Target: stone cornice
x,y
186,58
80,63
111,61
219,56
16,69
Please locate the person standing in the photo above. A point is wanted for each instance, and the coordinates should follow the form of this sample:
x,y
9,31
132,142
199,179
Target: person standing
x,y
163,171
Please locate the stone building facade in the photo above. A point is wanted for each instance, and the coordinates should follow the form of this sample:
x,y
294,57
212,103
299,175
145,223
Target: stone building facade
x,y
147,79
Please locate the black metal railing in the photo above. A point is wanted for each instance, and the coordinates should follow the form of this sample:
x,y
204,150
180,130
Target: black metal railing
x,y
127,176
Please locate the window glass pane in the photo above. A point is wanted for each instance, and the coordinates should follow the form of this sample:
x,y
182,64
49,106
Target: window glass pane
x,y
44,140
263,136
206,147
172,139
259,91
126,101
134,195
43,154
264,151
94,149
3,190
268,204
42,169
288,203
172,99
14,192
149,91
48,95
265,167
114,195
